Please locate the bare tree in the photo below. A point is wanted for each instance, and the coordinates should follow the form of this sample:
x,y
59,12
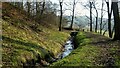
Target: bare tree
x,y
90,6
116,19
105,30
28,7
109,19
43,7
101,17
73,13
61,13
96,17
37,8
91,16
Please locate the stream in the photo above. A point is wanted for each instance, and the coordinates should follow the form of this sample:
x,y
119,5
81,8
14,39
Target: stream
x,y
68,46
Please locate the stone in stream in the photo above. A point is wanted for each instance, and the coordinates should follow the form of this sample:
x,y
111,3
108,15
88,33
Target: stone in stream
x,y
69,42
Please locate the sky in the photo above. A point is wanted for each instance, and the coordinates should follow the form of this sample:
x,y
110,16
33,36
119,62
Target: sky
x,y
81,11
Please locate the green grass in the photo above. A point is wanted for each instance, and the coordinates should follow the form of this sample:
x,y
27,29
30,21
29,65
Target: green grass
x,y
116,54
84,55
22,43
29,43
92,52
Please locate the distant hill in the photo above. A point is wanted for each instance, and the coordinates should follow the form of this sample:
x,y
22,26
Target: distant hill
x,y
79,20
83,22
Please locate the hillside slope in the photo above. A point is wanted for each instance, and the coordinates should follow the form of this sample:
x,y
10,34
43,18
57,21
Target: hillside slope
x,y
26,42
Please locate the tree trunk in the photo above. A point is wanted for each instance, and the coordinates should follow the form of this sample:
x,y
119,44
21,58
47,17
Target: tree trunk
x,y
109,20
43,6
96,23
104,32
96,18
90,16
101,18
72,15
28,8
113,30
116,20
37,6
60,24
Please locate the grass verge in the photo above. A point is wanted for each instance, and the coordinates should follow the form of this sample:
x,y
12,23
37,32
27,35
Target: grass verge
x,y
84,55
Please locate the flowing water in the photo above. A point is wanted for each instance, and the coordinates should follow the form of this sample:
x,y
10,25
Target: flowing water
x,y
68,47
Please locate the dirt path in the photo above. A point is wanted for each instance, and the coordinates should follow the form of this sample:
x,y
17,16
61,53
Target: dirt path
x,y
110,50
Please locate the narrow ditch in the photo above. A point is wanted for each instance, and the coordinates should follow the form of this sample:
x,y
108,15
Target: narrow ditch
x,y
69,46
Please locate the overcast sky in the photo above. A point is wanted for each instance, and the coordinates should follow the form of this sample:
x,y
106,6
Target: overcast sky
x,y
80,10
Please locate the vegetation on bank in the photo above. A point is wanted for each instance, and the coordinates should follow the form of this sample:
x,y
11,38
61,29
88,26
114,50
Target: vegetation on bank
x,y
26,43
92,52
30,42
84,55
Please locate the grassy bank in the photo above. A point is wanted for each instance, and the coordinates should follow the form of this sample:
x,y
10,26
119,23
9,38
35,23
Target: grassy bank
x,y
92,50
22,43
84,55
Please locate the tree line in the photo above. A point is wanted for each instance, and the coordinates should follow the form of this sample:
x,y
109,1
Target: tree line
x,y
41,11
115,10
47,9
